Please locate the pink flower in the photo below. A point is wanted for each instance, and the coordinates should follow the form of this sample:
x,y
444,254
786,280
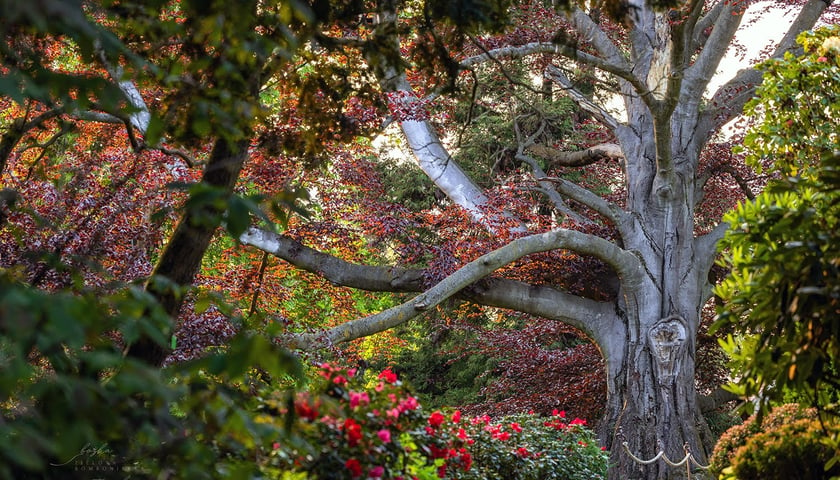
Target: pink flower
x,y
409,403
339,380
384,435
359,398
354,467
376,472
822,59
276,446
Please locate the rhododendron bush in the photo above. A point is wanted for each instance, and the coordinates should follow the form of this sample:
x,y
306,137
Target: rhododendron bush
x,y
347,426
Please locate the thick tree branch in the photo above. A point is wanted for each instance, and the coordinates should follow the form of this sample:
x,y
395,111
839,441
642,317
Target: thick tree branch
x,y
465,276
592,33
580,158
493,292
431,155
140,117
335,270
699,74
556,75
702,29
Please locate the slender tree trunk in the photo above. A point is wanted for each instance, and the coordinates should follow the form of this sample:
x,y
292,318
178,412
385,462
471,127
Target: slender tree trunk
x,y
182,256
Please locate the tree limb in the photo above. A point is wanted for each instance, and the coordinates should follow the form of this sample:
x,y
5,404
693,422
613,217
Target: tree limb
x,y
698,75
707,21
538,173
334,269
17,130
556,75
624,263
581,158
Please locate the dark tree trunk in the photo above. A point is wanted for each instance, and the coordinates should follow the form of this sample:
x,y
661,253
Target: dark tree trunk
x,y
182,256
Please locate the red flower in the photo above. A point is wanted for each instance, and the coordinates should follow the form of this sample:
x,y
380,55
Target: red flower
x,y
436,419
466,460
388,376
515,426
377,472
456,417
578,421
353,431
522,452
354,467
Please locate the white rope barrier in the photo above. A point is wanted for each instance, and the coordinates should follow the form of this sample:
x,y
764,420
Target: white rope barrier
x,y
687,461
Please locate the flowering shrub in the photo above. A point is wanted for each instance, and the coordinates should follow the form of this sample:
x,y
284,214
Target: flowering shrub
x,y
515,447
343,431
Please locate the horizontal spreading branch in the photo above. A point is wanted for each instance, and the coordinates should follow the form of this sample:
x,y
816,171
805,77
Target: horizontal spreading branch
x,y
580,158
624,263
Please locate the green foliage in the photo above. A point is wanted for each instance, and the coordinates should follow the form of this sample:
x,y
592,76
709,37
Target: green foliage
x,y
794,450
782,251
799,106
72,401
738,436
30,76
441,374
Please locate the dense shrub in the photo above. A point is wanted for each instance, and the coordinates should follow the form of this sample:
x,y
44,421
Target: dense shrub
x,y
738,436
793,451
346,431
72,405
518,447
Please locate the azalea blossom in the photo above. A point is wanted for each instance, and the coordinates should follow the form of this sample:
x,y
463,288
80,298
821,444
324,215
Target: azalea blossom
x,y
388,376
354,467
436,419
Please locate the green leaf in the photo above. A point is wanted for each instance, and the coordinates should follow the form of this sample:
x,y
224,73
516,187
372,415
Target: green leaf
x,y
154,132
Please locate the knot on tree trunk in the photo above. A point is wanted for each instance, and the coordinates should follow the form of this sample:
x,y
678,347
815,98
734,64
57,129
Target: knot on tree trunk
x,y
667,340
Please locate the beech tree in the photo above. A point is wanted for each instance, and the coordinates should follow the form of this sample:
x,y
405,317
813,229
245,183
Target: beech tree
x,y
662,64
195,76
